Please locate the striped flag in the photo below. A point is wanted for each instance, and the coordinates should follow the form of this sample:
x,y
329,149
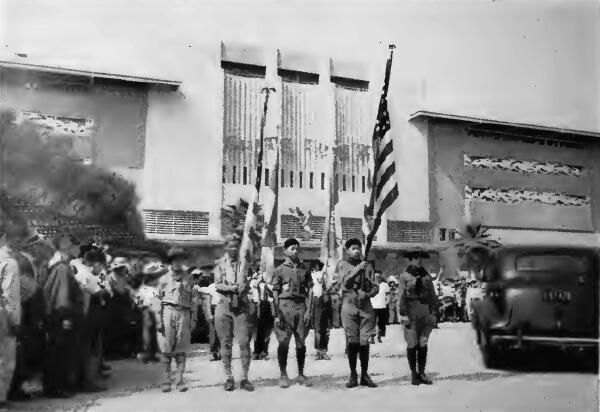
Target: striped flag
x,y
251,239
384,189
331,248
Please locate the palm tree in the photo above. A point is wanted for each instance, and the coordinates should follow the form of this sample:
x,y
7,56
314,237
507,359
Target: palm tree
x,y
474,249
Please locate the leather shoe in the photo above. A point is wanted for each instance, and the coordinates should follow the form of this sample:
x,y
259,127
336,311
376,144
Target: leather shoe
x,y
229,384
366,380
284,381
415,379
425,379
353,381
246,385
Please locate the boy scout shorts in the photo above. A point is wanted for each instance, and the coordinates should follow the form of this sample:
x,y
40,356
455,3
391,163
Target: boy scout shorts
x,y
292,322
238,323
418,330
177,337
358,321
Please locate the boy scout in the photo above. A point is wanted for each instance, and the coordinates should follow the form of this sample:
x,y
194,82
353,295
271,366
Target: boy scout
x,y
291,284
235,313
418,305
357,281
175,291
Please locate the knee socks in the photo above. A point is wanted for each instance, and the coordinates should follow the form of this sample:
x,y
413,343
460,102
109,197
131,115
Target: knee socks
x,y
364,359
245,356
301,357
411,355
422,358
353,349
282,354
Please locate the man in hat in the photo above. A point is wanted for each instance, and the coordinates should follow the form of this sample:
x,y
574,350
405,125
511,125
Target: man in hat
x,y
87,271
175,291
235,313
380,305
418,308
356,278
262,297
209,298
148,301
393,300
322,309
291,282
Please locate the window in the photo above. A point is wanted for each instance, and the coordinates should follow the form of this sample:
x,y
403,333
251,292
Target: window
x,y
224,174
282,180
311,178
322,181
242,111
300,179
291,178
353,183
363,184
344,183
267,177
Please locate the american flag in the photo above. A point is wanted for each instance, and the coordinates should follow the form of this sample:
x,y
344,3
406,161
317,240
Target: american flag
x,y
271,205
384,190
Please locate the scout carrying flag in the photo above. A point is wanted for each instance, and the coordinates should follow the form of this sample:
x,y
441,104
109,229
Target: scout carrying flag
x,y
251,239
384,188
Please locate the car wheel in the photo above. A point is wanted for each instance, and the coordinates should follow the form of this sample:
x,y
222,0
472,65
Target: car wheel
x,y
492,355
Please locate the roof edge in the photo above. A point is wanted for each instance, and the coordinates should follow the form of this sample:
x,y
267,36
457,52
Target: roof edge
x,y
88,73
424,114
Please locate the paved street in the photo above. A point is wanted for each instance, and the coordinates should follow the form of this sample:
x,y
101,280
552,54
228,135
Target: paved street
x,y
461,384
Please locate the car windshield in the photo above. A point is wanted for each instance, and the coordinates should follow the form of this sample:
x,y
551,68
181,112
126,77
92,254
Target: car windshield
x,y
558,263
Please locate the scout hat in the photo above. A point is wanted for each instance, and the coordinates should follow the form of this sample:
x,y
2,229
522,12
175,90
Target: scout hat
x,y
176,252
119,262
153,270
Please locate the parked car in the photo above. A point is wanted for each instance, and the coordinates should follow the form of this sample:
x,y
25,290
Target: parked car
x,y
537,297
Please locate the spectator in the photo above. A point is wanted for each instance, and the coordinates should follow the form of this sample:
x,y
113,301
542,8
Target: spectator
x,y
12,233
88,269
380,306
393,300
322,310
64,309
211,298
148,301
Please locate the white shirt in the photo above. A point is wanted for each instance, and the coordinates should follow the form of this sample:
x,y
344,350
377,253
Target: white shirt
x,y
379,301
317,278
88,281
148,297
212,291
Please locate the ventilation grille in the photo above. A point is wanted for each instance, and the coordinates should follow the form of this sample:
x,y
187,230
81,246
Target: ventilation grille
x,y
176,222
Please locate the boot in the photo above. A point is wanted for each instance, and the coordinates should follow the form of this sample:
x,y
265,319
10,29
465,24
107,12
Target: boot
x,y
411,355
229,384
365,379
353,349
284,381
246,385
353,381
422,361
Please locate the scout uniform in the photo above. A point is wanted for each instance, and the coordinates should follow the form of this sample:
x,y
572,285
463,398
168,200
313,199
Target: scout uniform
x,y
358,317
418,302
175,291
292,282
235,316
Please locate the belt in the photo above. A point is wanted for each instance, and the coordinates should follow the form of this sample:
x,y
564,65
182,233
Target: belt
x,y
176,307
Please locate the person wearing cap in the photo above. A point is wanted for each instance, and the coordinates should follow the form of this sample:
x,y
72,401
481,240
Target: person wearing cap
x,y
380,305
210,297
262,296
291,282
418,305
235,313
87,271
175,291
393,300
356,279
148,301
321,308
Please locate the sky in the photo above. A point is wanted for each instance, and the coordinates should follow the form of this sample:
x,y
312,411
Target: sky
x,y
523,61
